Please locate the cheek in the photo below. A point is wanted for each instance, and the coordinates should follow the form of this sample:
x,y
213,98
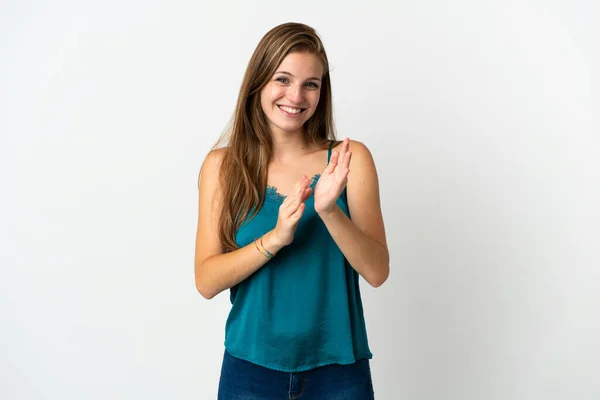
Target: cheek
x,y
317,97
314,102
314,98
277,92
270,94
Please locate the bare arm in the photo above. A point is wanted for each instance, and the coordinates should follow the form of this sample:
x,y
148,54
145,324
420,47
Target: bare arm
x,y
361,239
223,271
216,271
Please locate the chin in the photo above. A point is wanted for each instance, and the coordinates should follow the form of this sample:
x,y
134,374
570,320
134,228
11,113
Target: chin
x,y
287,127
292,129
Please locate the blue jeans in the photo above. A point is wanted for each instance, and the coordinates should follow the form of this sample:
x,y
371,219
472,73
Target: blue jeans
x,y
243,380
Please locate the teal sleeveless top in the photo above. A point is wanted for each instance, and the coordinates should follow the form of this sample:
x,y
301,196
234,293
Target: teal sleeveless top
x,y
303,308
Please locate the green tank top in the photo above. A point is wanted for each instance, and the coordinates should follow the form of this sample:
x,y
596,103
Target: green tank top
x,y
303,308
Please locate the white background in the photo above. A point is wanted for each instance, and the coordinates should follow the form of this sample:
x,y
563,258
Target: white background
x,y
483,121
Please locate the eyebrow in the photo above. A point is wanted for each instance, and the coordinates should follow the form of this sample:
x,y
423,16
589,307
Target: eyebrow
x,y
287,73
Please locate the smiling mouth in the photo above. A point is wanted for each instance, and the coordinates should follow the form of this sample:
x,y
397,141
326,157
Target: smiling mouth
x,y
291,110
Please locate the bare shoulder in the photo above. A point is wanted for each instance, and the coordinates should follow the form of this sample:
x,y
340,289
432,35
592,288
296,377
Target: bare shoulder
x,y
213,160
216,154
362,165
363,192
211,165
359,148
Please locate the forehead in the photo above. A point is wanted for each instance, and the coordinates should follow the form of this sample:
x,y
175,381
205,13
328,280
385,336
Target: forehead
x,y
302,65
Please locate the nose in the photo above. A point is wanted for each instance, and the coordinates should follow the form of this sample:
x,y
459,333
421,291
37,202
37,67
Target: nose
x,y
295,94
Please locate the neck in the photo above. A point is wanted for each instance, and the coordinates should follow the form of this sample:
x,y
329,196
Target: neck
x,y
288,146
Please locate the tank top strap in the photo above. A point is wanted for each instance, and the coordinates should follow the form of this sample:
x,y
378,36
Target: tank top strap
x,y
329,151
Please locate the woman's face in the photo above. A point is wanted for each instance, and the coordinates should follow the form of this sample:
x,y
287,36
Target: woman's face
x,y
291,96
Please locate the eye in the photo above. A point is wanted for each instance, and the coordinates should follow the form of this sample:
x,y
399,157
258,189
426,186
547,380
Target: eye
x,y
312,85
282,80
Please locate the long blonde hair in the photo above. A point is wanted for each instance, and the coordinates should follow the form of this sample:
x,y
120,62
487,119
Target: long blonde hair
x,y
243,173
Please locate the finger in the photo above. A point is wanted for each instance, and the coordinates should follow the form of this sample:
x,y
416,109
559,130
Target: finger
x,y
335,155
342,175
307,192
302,187
344,152
287,210
342,164
296,197
299,211
346,163
296,191
343,148
299,185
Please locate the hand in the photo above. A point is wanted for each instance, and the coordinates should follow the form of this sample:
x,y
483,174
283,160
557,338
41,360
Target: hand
x,y
333,179
290,212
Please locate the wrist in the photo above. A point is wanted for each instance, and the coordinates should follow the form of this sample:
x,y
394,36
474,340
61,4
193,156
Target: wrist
x,y
271,243
329,213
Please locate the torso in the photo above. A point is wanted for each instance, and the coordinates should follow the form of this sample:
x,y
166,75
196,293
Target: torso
x,y
303,308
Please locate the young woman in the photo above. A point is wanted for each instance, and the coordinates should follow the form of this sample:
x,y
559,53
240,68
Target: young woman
x,y
288,220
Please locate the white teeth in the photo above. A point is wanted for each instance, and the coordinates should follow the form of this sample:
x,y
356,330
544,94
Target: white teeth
x,y
290,110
